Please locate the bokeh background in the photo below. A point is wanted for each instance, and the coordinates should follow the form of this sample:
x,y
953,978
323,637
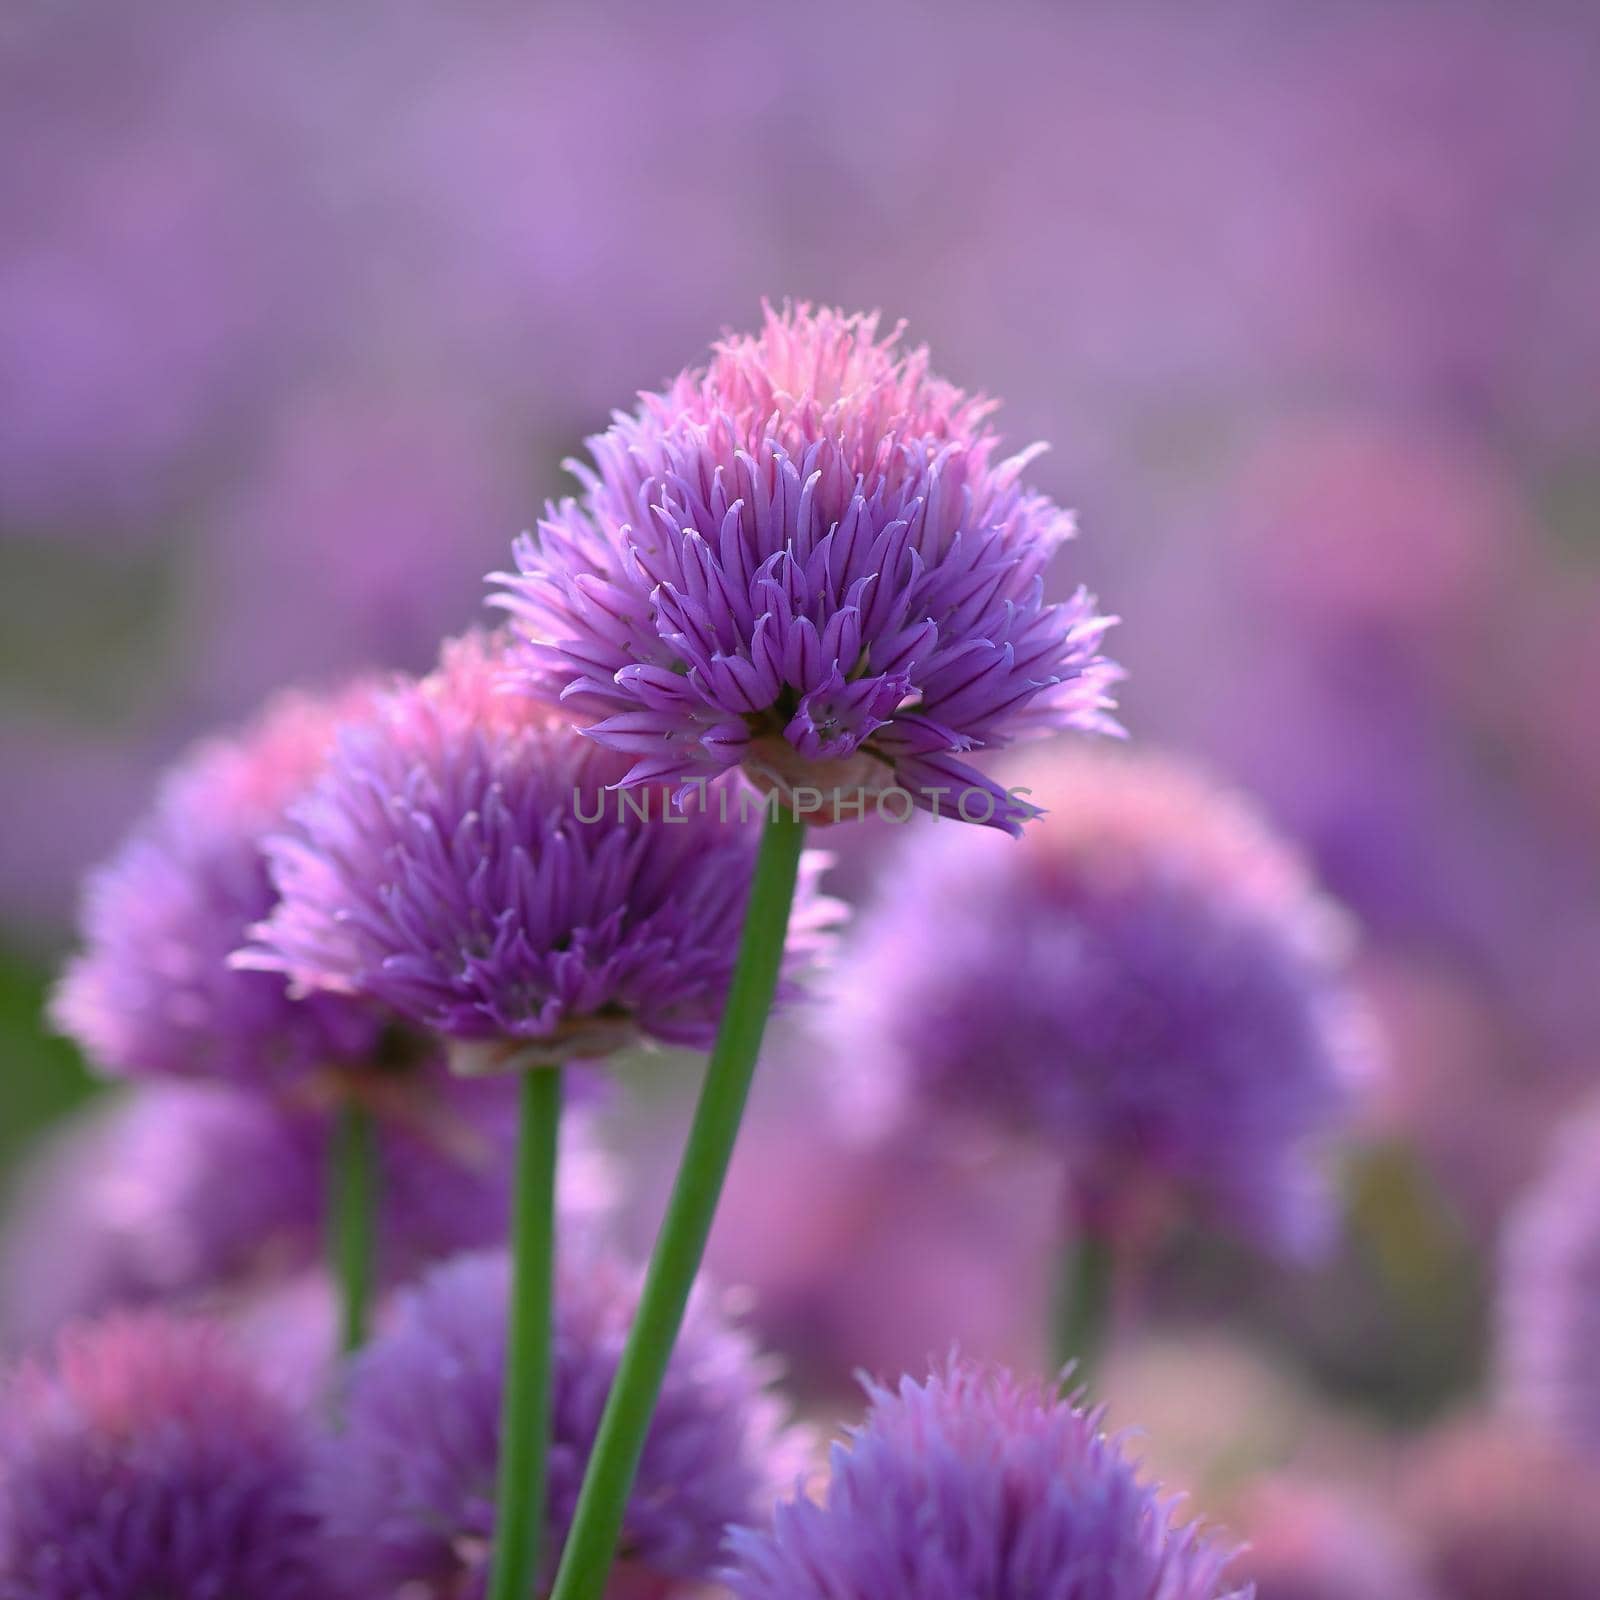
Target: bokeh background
x,y
302,306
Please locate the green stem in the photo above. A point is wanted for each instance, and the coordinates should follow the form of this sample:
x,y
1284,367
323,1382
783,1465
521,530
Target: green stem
x,y
1084,1305
352,1219
597,1525
525,1406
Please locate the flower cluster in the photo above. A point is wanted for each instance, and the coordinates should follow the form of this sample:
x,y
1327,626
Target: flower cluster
x,y
807,559
1149,980
406,1480
805,568
977,1484
150,1460
152,994
457,863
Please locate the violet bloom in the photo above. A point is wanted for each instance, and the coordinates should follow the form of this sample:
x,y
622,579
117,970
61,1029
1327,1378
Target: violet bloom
x,y
149,1460
152,993
201,1194
1549,1301
464,862
804,559
975,1486
407,1485
1149,982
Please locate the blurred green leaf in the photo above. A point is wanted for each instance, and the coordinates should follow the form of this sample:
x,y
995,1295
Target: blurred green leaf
x,y
41,1076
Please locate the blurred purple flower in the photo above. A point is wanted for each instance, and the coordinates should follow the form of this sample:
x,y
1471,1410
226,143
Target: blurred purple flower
x,y
802,559
152,993
171,1189
200,1193
975,1483
463,862
407,1483
1149,981
1549,1295
150,1460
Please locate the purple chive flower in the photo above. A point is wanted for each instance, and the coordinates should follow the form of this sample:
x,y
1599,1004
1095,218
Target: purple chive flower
x,y
1149,981
408,1481
806,560
150,1460
973,1486
464,862
198,1193
1549,1300
152,993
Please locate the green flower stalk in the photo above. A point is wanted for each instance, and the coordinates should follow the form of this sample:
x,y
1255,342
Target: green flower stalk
x,y
681,1244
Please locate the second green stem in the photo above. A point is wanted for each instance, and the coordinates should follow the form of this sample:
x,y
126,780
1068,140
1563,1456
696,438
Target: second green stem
x,y
525,1407
1084,1305
352,1219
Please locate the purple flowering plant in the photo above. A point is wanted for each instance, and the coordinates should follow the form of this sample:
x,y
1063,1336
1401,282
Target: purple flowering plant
x,y
449,866
804,573
393,1002
975,1483
406,1477
1150,983
455,863
149,1458
152,993
809,559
